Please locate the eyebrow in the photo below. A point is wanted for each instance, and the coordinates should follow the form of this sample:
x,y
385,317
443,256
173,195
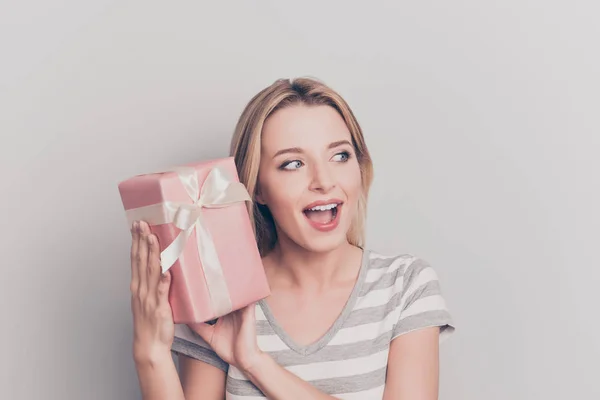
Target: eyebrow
x,y
299,150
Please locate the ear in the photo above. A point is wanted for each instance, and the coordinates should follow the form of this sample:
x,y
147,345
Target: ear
x,y
258,197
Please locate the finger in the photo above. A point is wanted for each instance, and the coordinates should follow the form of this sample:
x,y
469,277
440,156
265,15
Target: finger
x,y
142,259
164,284
153,264
133,257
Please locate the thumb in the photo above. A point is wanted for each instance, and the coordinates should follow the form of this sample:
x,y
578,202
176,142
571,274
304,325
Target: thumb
x,y
248,313
247,319
204,330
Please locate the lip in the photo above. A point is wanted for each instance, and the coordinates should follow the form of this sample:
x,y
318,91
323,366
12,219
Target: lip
x,y
331,225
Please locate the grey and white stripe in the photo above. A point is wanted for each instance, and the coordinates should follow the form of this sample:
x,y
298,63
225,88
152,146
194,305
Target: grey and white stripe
x,y
392,296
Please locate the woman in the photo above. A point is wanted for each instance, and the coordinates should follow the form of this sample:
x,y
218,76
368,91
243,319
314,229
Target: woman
x,y
342,321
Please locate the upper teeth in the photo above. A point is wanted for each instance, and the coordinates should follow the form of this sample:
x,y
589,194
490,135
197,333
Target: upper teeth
x,y
323,208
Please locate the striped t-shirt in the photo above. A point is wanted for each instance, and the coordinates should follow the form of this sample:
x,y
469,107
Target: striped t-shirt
x,y
392,296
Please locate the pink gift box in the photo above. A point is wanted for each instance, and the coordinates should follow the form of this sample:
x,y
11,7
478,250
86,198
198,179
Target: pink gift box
x,y
229,274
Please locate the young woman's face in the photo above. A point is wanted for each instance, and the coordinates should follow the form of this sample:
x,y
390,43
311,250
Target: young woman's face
x,y
309,175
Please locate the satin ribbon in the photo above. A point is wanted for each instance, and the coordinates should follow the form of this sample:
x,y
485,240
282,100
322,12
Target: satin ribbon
x,y
218,191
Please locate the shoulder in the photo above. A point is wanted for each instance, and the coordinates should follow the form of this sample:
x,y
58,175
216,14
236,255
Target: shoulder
x,y
383,275
377,260
413,292
388,267
401,264
189,343
399,274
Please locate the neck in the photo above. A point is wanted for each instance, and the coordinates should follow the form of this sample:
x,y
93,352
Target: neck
x,y
293,265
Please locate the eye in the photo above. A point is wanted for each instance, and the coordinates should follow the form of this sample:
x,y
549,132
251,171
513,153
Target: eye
x,y
342,156
291,165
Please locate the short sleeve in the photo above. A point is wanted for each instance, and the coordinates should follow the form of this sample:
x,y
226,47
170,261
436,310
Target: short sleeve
x,y
421,303
189,343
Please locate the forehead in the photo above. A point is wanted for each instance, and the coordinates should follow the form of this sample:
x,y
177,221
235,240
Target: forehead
x,y
303,126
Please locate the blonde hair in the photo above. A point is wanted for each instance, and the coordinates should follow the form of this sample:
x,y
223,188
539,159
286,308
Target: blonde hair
x,y
246,147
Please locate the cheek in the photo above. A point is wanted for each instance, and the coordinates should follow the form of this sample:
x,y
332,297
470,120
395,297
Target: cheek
x,y
283,206
351,182
282,192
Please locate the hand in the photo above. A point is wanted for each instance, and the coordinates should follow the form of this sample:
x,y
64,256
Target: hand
x,y
152,315
233,338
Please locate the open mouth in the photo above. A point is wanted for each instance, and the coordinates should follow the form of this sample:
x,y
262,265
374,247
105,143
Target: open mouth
x,y
323,215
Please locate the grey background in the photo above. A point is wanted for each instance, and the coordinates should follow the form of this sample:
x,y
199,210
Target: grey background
x,y
482,118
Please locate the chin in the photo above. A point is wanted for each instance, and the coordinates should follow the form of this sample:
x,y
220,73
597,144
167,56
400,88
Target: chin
x,y
324,243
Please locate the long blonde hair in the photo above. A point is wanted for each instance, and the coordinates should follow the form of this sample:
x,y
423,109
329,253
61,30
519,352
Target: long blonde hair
x,y
246,146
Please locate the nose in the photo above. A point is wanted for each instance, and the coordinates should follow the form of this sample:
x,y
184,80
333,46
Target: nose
x,y
322,179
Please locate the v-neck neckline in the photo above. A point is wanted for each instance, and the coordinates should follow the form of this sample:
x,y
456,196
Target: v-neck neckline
x,y
333,329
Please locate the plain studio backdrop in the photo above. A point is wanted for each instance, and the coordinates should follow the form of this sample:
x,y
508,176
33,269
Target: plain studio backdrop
x,y
481,116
